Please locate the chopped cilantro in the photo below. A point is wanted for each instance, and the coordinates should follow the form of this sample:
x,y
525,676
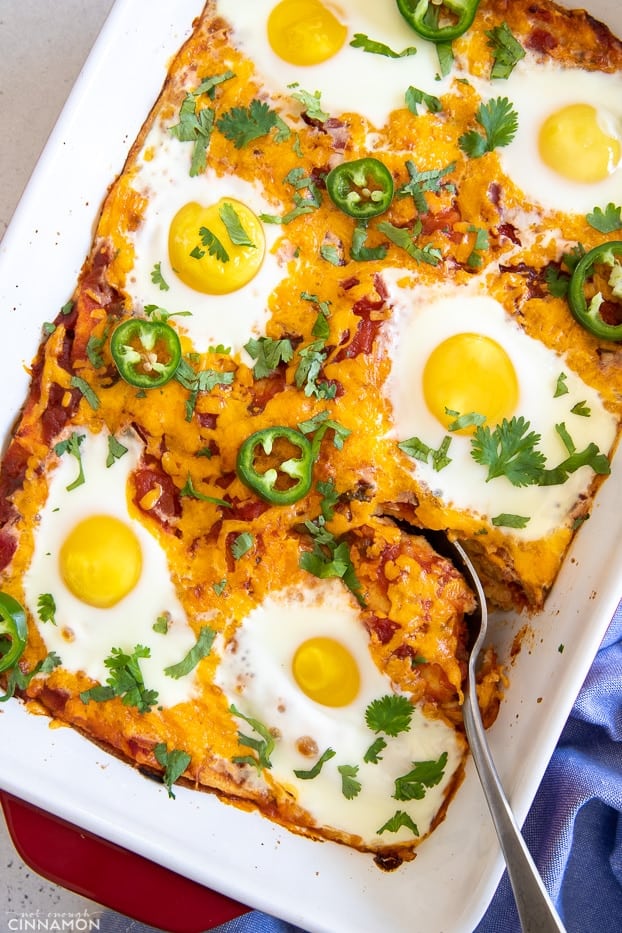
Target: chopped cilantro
x,y
72,446
361,41
560,387
405,239
46,608
372,755
506,50
158,279
116,450
198,651
241,125
317,767
263,746
416,448
416,98
581,409
268,354
17,680
161,624
390,714
421,182
125,681
509,450
424,775
606,221
213,245
507,520
330,557
359,251
82,385
242,544
499,122
192,493
310,103
231,220
397,821
350,787
174,763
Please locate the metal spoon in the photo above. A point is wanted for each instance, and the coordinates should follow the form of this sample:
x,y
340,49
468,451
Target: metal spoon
x,y
535,908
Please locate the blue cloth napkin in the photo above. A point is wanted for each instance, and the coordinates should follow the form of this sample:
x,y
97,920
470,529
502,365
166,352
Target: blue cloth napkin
x,y
574,828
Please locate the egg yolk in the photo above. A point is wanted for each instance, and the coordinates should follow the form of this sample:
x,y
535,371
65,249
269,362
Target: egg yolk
x,y
100,560
305,32
470,373
574,144
216,249
326,671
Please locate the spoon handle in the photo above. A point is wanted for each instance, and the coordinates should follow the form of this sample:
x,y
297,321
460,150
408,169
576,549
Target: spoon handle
x,y
535,908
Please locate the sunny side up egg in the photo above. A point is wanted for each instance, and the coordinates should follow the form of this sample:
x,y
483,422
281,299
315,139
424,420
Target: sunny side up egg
x,y
299,663
177,267
108,577
456,349
567,151
309,43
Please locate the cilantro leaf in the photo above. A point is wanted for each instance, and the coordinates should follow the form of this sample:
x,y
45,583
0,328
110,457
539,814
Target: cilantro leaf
x,y
85,389
242,544
241,125
330,497
397,821
359,251
507,520
499,122
17,680
192,493
606,221
268,354
329,557
416,448
174,763
213,245
590,456
509,451
263,746
317,767
310,103
46,608
233,224
196,124
390,714
350,787
421,182
304,203
560,387
361,41
372,755
202,381
72,446
405,240
198,651
158,279
125,681
94,347
116,450
506,50
415,98
424,775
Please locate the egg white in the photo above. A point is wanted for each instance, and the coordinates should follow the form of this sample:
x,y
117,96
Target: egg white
x,y
84,635
352,80
255,673
165,182
421,319
536,90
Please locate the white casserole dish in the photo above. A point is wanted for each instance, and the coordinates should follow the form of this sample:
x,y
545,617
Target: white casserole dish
x,y
319,887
